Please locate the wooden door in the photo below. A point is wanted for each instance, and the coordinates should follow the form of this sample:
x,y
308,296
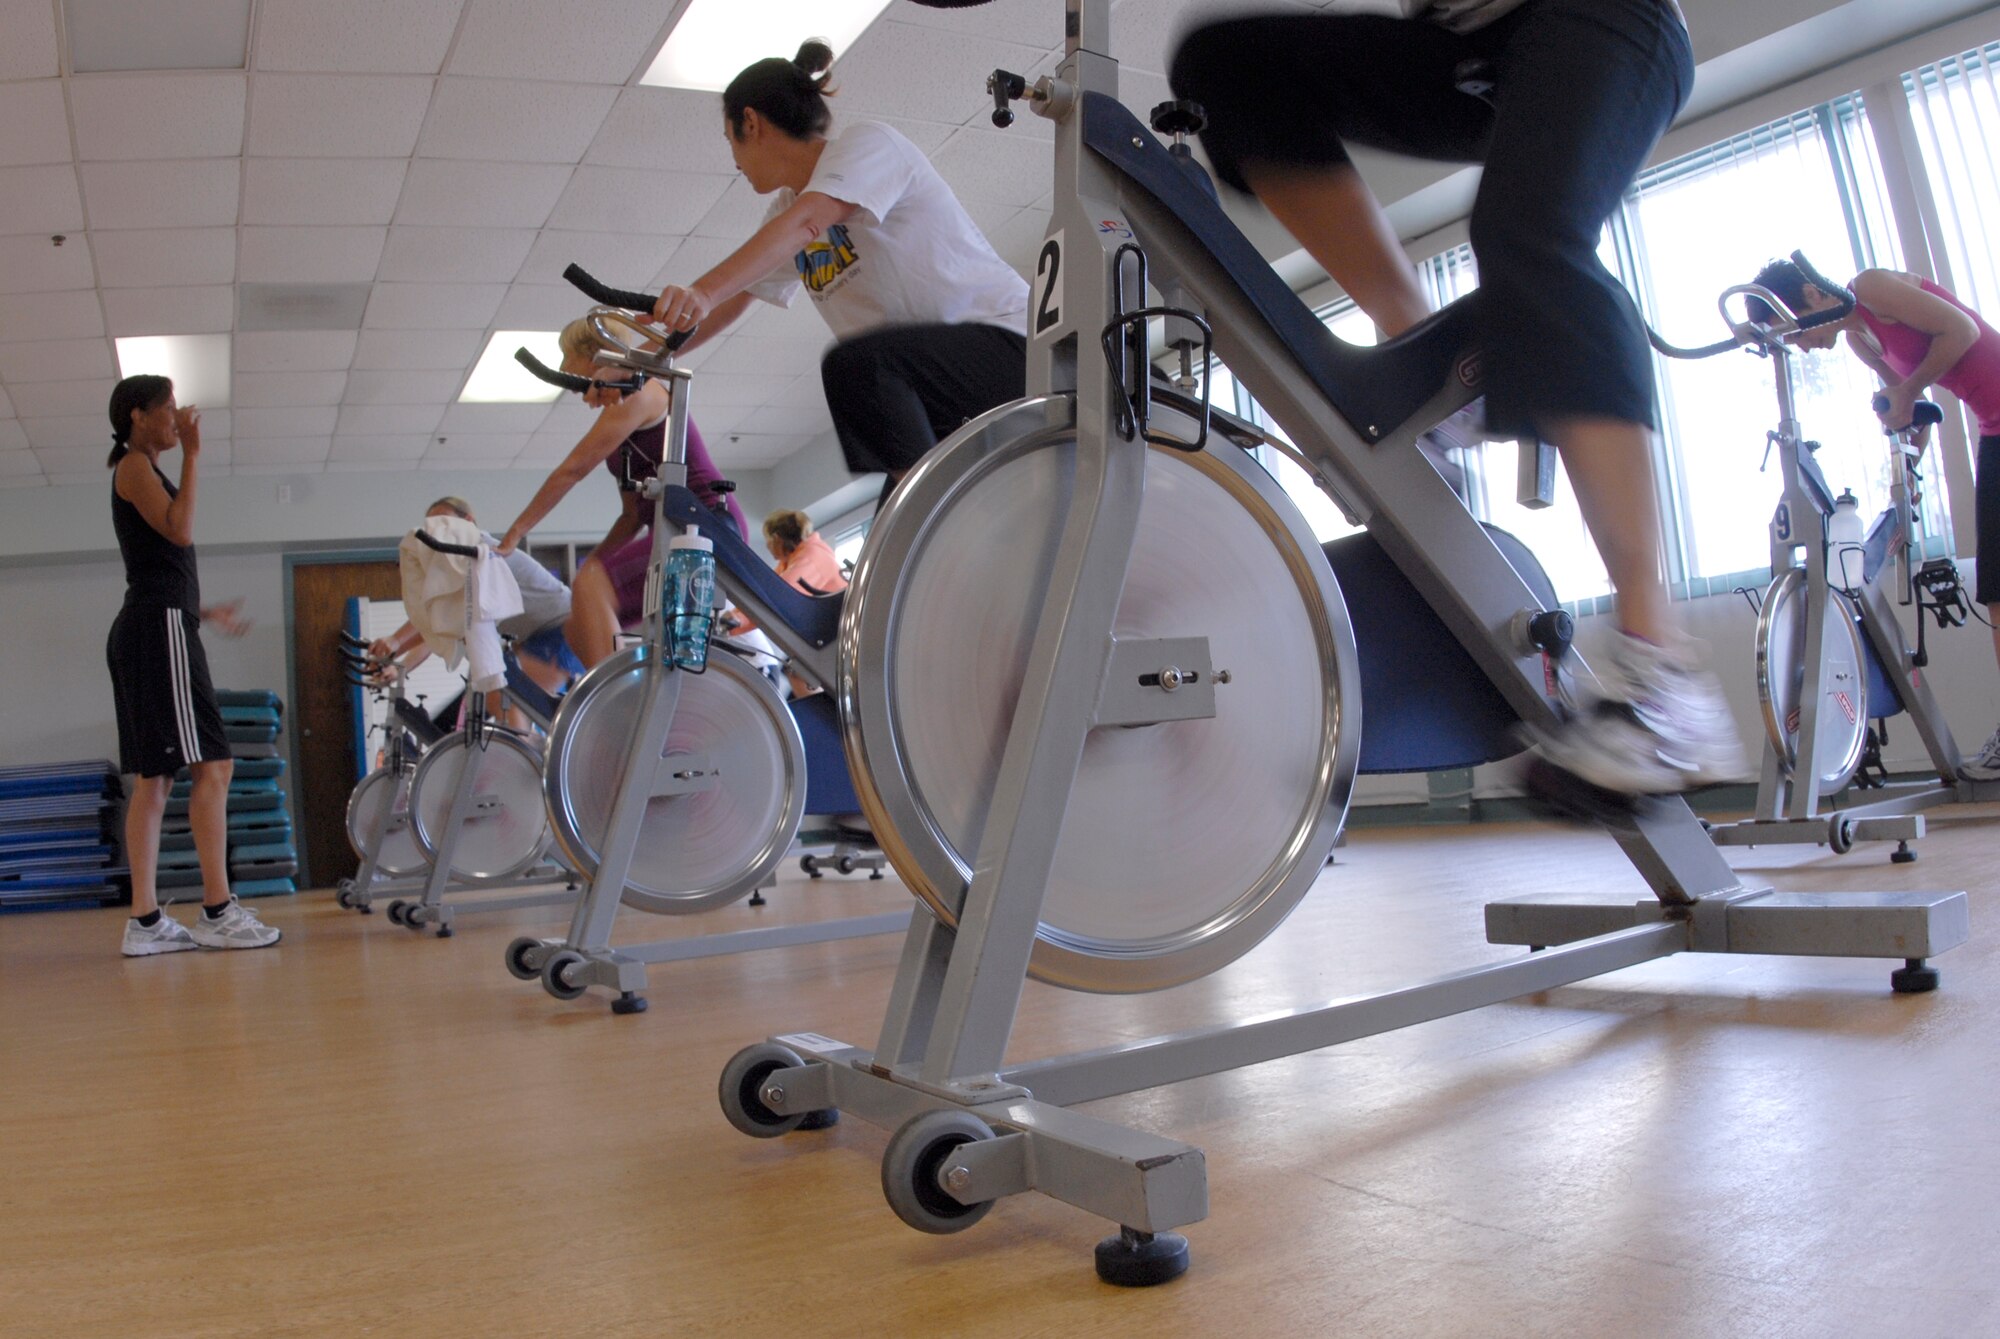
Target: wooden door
x,y
322,730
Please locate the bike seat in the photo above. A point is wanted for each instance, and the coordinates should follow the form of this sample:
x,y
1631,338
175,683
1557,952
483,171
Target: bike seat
x,y
1375,389
814,617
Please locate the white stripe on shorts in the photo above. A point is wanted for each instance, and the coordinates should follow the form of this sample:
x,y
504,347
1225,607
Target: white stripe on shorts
x,y
183,697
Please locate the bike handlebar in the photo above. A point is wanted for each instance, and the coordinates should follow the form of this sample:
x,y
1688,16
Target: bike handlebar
x,y
570,381
629,299
462,550
1923,414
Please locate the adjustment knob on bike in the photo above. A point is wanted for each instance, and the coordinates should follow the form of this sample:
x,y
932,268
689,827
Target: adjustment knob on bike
x,y
1005,87
1552,630
1180,118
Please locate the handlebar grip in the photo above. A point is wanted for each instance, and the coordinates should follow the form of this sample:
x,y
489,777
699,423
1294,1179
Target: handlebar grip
x,y
629,299
1844,300
1924,413
571,382
463,551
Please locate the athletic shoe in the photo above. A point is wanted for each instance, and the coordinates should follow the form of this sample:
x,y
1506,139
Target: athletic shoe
x,y
1986,767
1662,726
166,936
238,927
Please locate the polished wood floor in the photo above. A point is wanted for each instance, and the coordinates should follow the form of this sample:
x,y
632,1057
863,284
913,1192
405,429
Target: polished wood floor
x,y
367,1132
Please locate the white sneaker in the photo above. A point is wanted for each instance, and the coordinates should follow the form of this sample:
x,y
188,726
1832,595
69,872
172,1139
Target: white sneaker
x,y
1986,767
237,927
1662,726
165,936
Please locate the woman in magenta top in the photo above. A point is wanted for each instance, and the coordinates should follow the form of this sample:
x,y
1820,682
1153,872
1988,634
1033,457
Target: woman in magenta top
x,y
1915,335
628,440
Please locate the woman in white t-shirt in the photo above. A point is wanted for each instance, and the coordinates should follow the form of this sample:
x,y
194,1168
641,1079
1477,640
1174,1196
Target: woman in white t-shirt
x,y
930,321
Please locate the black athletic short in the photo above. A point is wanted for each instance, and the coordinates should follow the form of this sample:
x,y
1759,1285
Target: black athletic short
x,y
1987,489
167,715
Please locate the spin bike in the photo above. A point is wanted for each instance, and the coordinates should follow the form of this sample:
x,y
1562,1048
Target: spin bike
x,y
672,791
465,817
1833,662
378,809
1101,693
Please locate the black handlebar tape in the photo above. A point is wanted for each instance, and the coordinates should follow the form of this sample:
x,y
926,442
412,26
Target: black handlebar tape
x,y
461,550
629,299
571,382
1843,299
1922,413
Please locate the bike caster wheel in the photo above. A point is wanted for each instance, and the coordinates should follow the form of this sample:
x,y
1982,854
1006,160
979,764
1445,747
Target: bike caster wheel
x,y
555,975
397,911
911,1165
1902,855
845,864
810,864
1914,977
1840,835
524,959
629,1003
343,896
1135,1259
741,1090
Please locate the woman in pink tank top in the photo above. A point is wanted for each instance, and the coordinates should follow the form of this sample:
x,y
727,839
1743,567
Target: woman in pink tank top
x,y
1915,335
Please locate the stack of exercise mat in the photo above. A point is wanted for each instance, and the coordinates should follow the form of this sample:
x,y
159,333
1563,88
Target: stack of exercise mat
x,y
262,857
58,843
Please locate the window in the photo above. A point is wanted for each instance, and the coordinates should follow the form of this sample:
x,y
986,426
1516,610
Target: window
x,y
1956,106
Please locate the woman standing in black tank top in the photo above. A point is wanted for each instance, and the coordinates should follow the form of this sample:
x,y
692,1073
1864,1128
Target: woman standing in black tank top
x,y
167,716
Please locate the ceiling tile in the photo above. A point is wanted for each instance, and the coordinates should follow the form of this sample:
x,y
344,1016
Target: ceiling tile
x,y
990,165
514,120
544,448
477,446
170,311
295,351
356,36
450,193
34,128
637,201
57,399
68,430
320,191
532,39
301,467
808,392
164,257
403,446
310,255
401,386
904,69
335,465
419,349
745,450
801,320
14,461
82,459
31,265
51,315
55,360
40,200
621,259
378,420
214,426
753,356
569,417
541,307
460,464
337,116
455,255
131,117
287,390
664,129
929,136
313,421
281,450
30,49
785,421
739,213
1037,23
6,405
193,194
493,418
1019,240
432,306
737,390
694,258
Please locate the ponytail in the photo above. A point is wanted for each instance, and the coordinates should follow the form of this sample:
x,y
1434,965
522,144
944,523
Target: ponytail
x,y
790,94
129,397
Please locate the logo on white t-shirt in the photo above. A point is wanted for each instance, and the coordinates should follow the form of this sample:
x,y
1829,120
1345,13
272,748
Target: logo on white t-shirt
x,y
825,262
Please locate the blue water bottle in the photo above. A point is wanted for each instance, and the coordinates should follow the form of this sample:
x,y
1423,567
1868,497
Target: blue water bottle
x,y
688,600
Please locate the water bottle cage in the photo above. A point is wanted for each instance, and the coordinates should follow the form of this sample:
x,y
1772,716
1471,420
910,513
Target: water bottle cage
x,y
1128,351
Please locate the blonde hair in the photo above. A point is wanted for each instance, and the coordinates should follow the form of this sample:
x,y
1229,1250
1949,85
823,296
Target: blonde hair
x,y
788,527
457,506
578,340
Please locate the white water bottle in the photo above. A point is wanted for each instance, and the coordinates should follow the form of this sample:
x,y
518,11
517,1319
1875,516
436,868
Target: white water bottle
x,y
1844,536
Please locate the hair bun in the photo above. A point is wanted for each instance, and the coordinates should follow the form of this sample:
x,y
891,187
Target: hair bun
x,y
815,56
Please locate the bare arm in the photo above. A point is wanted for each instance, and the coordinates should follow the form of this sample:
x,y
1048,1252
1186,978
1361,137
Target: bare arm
x,y
614,424
1952,332
770,246
138,483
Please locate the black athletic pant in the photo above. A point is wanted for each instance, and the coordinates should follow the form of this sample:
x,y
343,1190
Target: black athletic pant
x,y
1986,489
895,393
1584,88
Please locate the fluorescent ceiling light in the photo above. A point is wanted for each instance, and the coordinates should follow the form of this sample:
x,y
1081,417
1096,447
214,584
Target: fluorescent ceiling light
x,y
156,35
715,39
197,364
497,379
